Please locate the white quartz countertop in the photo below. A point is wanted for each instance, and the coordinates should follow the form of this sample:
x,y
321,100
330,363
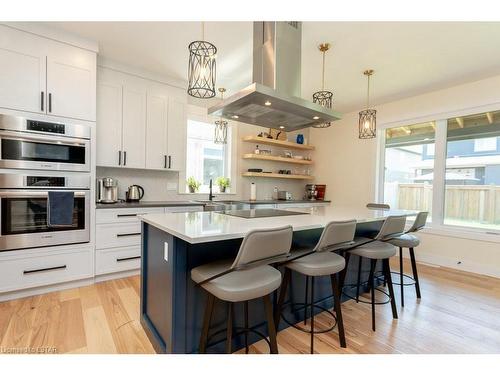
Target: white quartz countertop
x,y
199,227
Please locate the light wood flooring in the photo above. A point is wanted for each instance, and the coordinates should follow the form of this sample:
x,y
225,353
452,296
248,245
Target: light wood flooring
x,y
459,313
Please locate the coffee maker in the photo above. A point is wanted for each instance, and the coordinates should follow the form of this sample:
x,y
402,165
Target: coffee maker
x,y
107,190
311,192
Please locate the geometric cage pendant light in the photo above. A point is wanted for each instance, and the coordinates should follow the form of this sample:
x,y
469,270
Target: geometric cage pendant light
x,y
220,134
323,97
368,117
202,68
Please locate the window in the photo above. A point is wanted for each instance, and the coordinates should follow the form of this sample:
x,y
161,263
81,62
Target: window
x,y
409,167
485,144
205,160
472,180
466,188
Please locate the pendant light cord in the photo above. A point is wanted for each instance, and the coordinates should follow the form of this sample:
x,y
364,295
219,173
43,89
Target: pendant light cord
x,y
368,94
323,74
203,31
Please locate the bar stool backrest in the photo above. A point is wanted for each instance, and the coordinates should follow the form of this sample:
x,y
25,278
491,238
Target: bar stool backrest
x,y
419,222
393,226
335,235
264,246
378,206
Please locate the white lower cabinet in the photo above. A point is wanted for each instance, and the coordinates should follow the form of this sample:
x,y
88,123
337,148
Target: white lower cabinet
x,y
117,259
118,237
44,268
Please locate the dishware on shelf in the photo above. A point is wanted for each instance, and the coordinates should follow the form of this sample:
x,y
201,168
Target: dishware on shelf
x,y
300,139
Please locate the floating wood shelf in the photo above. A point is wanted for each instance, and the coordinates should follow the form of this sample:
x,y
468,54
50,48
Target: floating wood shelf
x,y
277,175
275,142
277,158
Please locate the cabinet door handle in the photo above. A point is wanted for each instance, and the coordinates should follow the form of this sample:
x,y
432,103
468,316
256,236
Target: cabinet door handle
x,y
27,272
164,161
119,158
42,96
50,102
125,215
127,234
169,161
128,258
124,157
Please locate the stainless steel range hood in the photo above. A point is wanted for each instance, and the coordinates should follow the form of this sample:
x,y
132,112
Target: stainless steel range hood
x,y
273,100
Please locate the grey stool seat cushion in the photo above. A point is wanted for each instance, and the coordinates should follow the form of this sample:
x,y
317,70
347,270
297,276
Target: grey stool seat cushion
x,y
237,286
318,264
405,240
375,250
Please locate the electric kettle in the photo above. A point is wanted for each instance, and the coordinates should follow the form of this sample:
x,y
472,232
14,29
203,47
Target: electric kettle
x,y
134,193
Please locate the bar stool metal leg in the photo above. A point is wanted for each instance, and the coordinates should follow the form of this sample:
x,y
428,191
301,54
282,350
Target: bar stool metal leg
x,y
270,324
387,272
373,263
343,273
415,274
359,279
312,314
246,326
338,311
401,271
209,308
282,295
305,300
229,336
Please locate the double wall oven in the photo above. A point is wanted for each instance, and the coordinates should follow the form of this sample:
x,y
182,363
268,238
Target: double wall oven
x,y
35,158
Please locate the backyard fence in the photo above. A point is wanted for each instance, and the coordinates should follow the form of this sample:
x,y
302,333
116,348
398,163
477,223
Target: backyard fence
x,y
476,203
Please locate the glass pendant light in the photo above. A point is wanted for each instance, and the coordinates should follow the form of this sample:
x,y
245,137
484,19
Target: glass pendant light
x,y
202,67
323,97
220,136
368,117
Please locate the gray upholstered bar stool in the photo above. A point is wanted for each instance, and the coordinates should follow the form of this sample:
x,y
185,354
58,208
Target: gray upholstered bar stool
x,y
410,241
380,249
322,262
246,278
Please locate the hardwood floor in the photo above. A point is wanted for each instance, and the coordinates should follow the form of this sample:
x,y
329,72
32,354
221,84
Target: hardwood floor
x,y
458,314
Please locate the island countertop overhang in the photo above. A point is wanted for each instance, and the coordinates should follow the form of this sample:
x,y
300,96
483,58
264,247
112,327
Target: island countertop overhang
x,y
199,227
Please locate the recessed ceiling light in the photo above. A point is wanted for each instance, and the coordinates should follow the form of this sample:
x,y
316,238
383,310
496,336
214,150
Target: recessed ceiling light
x,y
267,103
282,127
316,118
235,116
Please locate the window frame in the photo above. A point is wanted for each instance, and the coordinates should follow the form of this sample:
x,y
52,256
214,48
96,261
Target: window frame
x,y
199,114
437,225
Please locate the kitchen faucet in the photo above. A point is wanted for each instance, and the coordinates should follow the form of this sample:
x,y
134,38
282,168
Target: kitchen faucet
x,y
210,195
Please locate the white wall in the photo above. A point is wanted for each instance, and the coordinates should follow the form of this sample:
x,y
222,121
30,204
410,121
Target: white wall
x,y
348,165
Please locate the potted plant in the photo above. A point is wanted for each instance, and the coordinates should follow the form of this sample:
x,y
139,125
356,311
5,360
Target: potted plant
x,y
193,185
223,183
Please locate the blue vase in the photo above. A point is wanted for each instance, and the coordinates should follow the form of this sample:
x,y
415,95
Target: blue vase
x,y
300,139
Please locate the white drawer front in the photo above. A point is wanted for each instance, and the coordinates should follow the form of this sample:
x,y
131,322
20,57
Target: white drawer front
x,y
183,209
124,215
116,260
262,205
118,235
45,269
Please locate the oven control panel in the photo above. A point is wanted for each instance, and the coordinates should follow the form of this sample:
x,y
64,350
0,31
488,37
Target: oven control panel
x,y
32,181
46,127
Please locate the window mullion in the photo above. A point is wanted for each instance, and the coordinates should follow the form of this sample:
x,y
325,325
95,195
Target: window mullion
x,y
438,187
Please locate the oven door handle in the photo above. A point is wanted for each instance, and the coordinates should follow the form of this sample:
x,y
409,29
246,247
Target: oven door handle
x,y
35,194
52,139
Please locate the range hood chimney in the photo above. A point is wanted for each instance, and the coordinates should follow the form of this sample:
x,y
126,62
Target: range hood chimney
x,y
273,100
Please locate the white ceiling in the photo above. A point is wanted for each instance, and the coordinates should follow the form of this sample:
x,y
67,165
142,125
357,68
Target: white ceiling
x,y
409,58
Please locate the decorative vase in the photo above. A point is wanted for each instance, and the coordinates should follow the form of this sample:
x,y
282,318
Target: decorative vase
x,y
192,189
300,139
222,189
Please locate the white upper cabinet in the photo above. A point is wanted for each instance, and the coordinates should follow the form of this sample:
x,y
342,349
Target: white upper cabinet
x,y
109,121
71,82
156,132
147,124
176,135
134,127
44,76
22,67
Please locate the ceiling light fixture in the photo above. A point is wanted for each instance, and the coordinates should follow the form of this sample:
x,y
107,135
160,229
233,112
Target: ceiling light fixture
x,y
268,103
220,134
368,117
202,67
323,97
235,116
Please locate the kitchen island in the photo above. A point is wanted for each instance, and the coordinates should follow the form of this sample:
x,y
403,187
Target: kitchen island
x,y
174,243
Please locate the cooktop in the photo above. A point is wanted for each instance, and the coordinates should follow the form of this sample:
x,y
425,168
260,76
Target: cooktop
x,y
259,213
